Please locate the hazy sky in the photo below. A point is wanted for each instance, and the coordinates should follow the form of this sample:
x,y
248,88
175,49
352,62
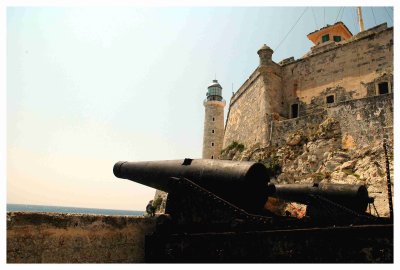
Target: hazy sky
x,y
87,87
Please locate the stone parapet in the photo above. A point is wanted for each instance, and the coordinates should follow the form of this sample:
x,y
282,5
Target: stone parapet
x,y
76,238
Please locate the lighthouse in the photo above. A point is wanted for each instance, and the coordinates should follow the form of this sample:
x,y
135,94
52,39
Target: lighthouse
x,y
213,121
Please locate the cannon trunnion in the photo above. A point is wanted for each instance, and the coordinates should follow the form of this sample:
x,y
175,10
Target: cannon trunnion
x,y
215,212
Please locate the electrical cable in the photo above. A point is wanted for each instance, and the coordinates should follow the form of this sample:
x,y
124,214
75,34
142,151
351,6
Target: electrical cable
x,y
315,19
337,17
373,14
291,29
390,17
341,16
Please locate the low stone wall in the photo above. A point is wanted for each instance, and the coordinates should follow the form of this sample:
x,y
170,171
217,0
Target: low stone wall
x,y
307,124
75,238
365,120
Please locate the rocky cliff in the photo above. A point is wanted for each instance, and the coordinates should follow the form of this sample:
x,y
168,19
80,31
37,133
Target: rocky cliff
x,y
324,154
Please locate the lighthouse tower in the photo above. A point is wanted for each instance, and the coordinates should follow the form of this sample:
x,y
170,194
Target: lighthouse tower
x,y
213,121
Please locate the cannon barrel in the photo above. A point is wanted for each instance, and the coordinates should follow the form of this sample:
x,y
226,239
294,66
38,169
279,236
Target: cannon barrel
x,y
241,183
354,197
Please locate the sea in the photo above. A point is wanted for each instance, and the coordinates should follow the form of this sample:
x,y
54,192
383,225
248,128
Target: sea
x,y
70,210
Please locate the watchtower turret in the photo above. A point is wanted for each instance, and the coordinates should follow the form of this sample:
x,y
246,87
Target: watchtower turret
x,y
265,54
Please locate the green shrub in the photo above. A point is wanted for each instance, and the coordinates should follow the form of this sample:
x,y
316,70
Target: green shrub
x,y
234,145
273,166
240,147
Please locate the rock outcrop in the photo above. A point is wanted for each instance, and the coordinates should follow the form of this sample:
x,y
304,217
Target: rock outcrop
x,y
324,155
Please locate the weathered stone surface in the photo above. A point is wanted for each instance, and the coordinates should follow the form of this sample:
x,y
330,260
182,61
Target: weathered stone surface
x,y
306,151
348,142
213,128
331,165
246,110
340,112
294,139
163,195
348,165
74,238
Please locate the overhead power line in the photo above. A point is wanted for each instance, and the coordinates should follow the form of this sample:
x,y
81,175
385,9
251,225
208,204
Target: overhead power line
x,y
373,14
341,16
337,17
291,29
315,19
390,17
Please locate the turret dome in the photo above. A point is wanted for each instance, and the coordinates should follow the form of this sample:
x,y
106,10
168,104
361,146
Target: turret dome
x,y
264,47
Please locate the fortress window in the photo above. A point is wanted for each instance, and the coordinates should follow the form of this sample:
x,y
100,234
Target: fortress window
x,y
330,99
325,38
212,157
383,88
212,131
212,144
294,110
213,118
337,38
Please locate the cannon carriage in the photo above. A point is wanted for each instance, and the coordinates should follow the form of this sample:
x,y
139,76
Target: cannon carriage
x,y
215,212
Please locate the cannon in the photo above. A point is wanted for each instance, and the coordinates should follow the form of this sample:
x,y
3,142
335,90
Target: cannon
x,y
321,197
210,198
244,185
241,183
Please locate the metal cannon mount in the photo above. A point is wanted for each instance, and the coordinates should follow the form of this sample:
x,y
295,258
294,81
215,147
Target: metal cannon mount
x,y
215,212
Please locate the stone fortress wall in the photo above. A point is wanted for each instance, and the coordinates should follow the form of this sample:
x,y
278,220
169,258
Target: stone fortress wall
x,y
348,70
347,149
247,108
363,122
342,115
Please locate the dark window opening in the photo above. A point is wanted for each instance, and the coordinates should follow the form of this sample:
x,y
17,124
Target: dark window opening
x,y
295,110
212,157
213,119
212,131
212,144
330,99
383,88
325,38
337,38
